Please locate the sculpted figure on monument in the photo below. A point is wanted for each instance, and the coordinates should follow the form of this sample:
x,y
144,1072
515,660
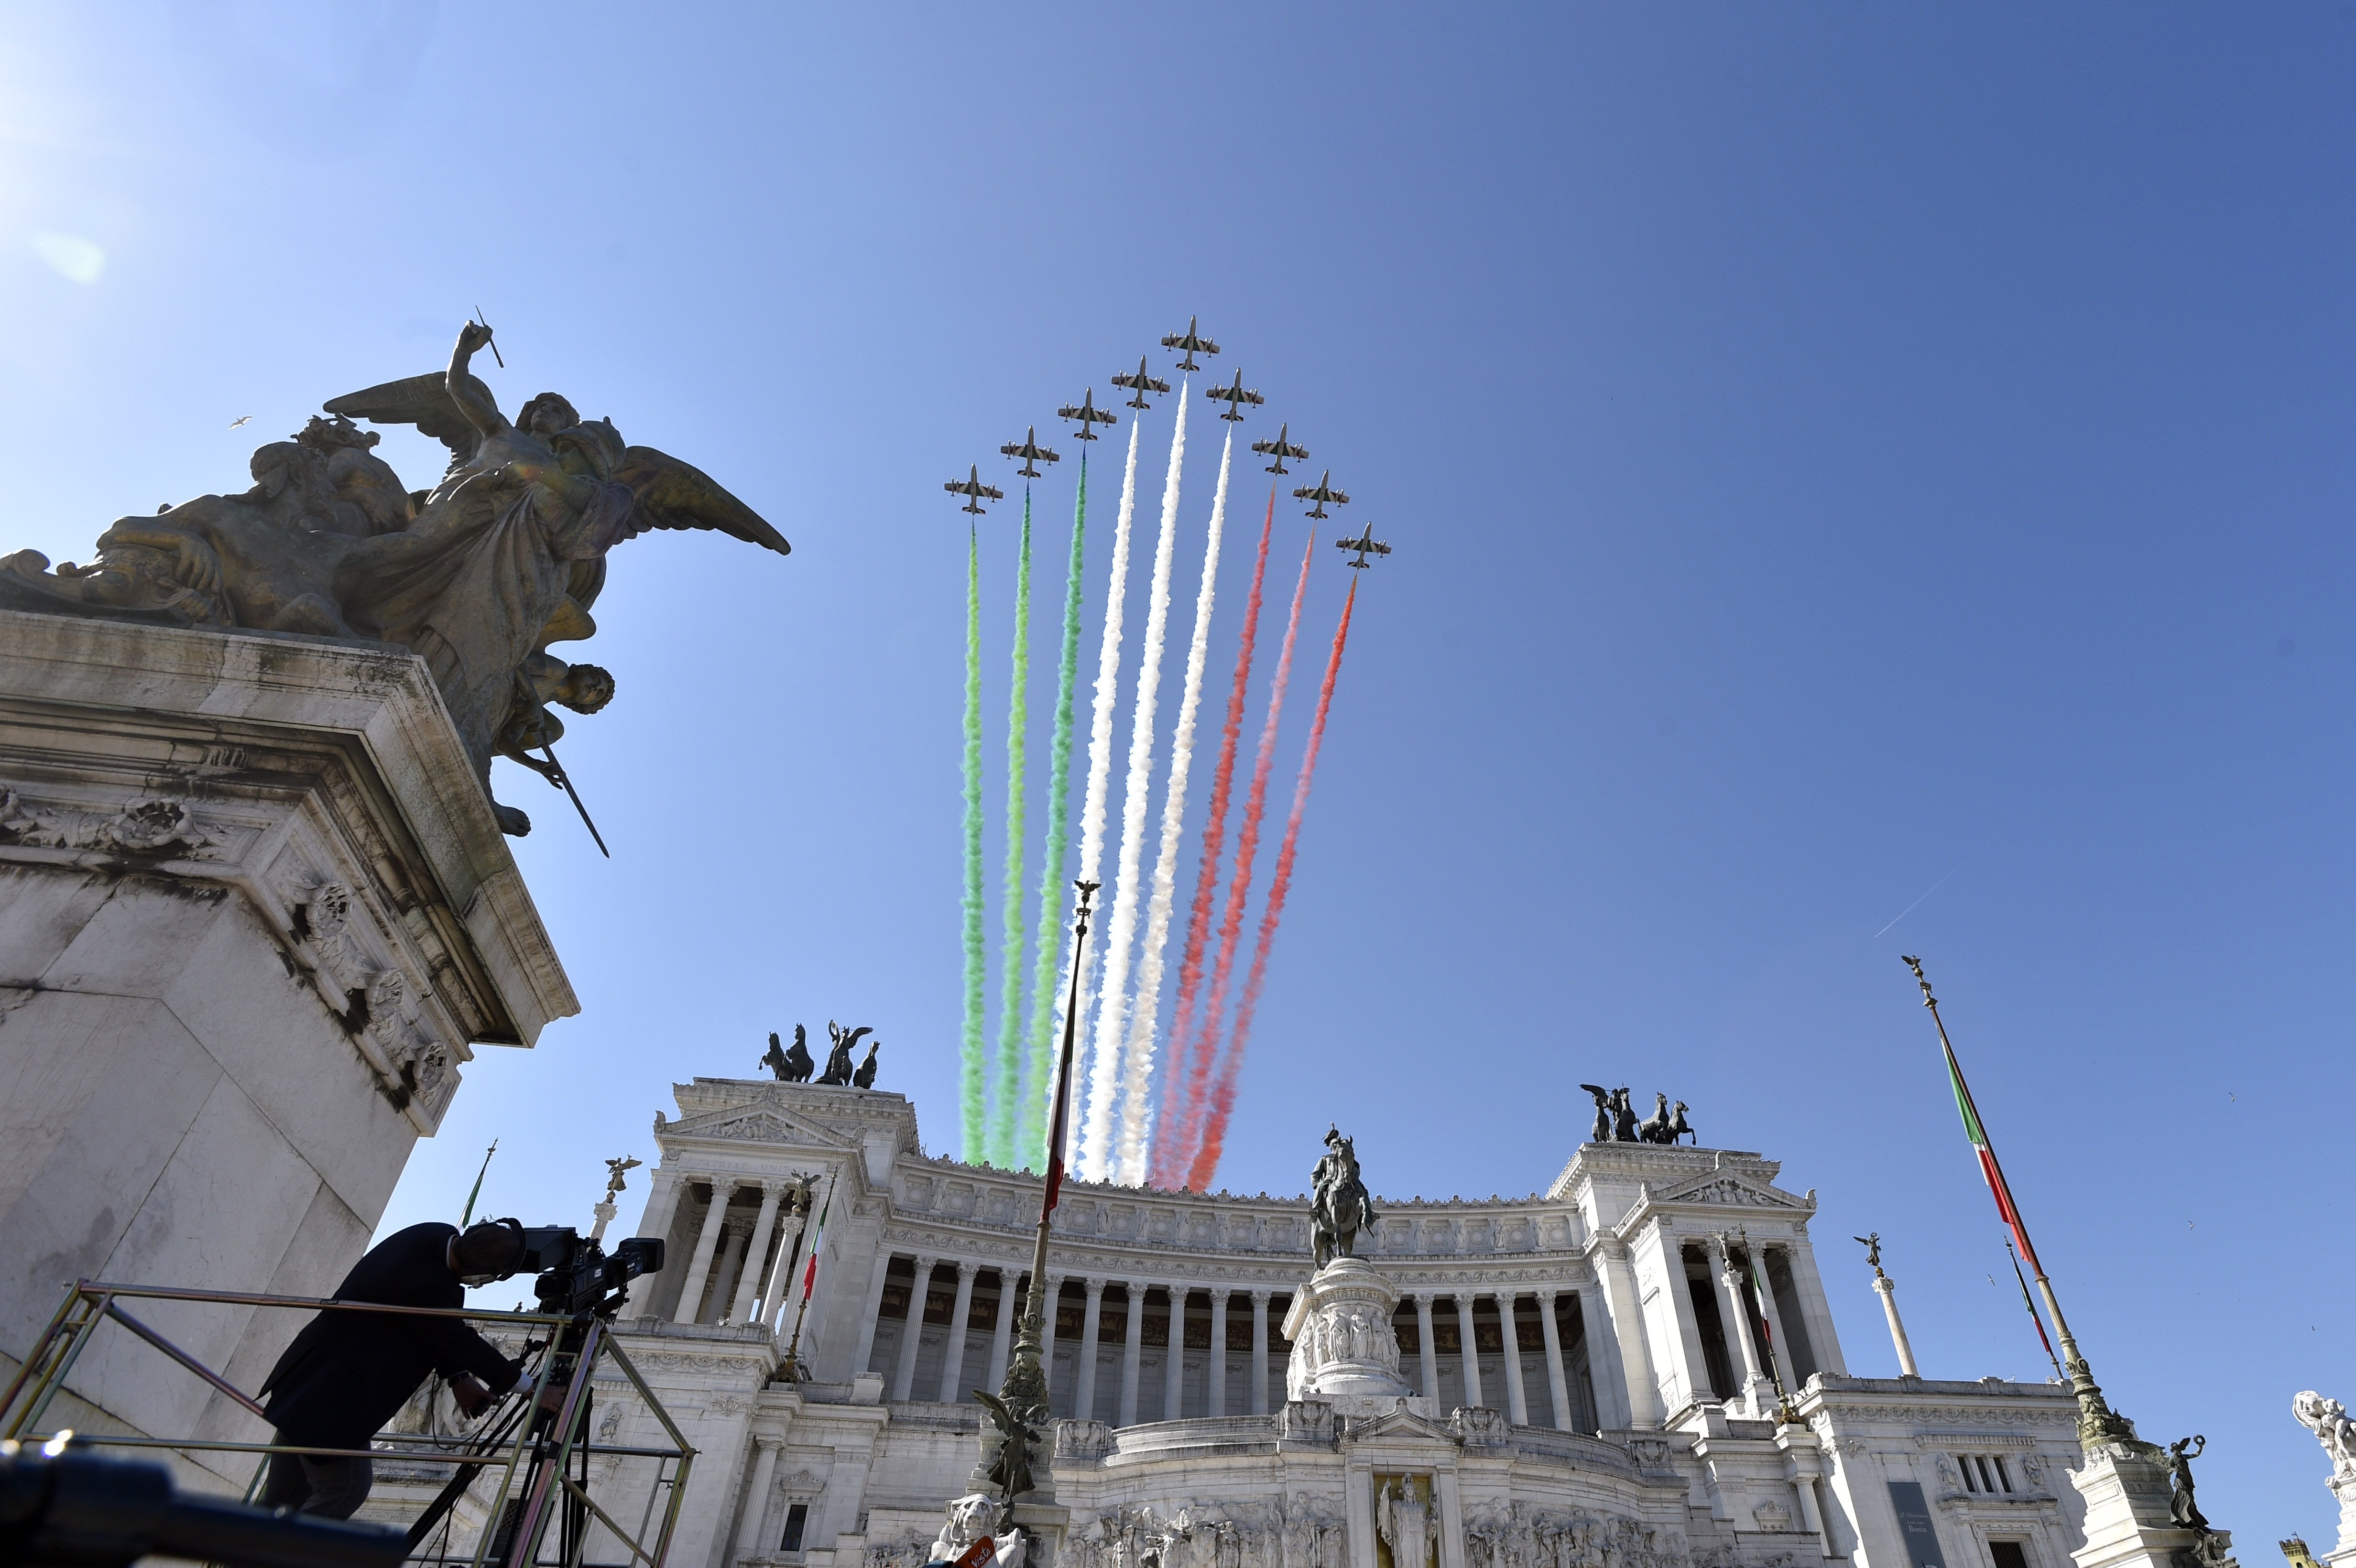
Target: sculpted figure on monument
x,y
839,1067
2328,1419
2180,1506
1405,1519
1664,1125
504,557
1623,1117
1340,1206
793,1066
1601,1134
865,1077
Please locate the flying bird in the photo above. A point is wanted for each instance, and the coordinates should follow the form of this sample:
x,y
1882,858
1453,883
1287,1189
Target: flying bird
x,y
1088,414
1028,450
1140,384
1190,344
239,420
1234,396
973,489
1280,449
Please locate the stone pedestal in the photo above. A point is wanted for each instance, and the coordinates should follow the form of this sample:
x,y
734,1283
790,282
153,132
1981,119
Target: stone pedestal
x,y
1344,1350
253,911
2127,1520
2343,1554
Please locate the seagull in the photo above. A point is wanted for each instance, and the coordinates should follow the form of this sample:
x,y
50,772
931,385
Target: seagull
x,y
239,420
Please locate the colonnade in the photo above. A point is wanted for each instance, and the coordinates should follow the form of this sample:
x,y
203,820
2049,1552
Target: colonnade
x,y
1509,1305
740,1262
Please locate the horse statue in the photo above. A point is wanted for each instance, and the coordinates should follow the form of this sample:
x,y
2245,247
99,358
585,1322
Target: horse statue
x,y
793,1066
1341,1208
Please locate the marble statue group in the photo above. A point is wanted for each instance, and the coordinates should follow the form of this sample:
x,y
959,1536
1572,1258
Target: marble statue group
x,y
796,1066
480,575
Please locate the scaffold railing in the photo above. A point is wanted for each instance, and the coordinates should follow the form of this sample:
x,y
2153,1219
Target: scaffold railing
x,y
530,1442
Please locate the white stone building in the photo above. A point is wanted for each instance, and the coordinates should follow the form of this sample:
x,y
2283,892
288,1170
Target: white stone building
x,y
1595,1369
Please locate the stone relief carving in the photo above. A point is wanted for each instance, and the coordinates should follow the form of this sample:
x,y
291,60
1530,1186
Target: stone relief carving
x,y
1513,1535
1771,1516
969,1519
1407,1520
159,830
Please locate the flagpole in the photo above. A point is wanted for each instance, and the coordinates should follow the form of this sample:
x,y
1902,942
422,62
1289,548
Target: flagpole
x,y
2031,1306
1025,1392
477,1191
2097,1422
790,1369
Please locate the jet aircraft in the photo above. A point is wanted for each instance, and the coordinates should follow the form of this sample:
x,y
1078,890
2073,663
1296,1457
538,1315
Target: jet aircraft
x,y
1320,493
1088,414
1234,396
1280,449
971,487
1140,384
1362,544
1028,450
1189,343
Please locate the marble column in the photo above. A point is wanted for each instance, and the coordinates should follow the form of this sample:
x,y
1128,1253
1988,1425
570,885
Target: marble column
x,y
1084,1394
1259,1352
873,1316
1765,1300
1173,1367
1429,1357
739,1229
756,1496
1624,1312
1216,1392
1557,1386
662,1207
1471,1347
1054,1304
1888,1290
953,1353
1132,1353
698,1269
1517,1404
1736,1308
1009,1293
749,1278
903,1371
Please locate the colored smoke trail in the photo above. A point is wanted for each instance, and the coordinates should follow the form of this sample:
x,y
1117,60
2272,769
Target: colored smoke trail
x,y
1182,1085
1121,930
1043,990
970,1077
1137,1114
1010,954
1223,1097
1231,918
1092,810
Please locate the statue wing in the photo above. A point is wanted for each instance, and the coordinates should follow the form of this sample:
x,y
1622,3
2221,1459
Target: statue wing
x,y
1602,1095
422,400
675,495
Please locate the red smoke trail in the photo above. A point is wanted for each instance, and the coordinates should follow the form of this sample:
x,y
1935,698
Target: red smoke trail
x,y
1231,919
1169,1150
1222,1098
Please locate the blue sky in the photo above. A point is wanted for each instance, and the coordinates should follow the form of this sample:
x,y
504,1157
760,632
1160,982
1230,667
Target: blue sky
x,y
1836,454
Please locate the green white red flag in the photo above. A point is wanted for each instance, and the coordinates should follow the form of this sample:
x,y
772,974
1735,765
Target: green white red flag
x,y
2009,1212
817,1236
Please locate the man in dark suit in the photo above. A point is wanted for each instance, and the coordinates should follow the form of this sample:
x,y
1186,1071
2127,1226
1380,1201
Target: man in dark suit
x,y
348,1372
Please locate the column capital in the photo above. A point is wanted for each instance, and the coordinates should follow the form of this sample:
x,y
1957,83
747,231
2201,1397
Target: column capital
x,y
925,1264
737,1226
768,1443
1262,1297
1094,1285
1547,1297
774,1188
966,1269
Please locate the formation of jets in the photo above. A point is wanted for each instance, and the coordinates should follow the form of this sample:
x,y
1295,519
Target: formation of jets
x,y
1140,384
1234,396
1320,493
1028,450
973,489
1088,414
1364,544
1280,449
1190,343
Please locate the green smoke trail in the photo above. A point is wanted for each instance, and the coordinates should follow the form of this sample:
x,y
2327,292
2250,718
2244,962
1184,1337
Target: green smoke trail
x,y
1043,990
971,1079
1004,1114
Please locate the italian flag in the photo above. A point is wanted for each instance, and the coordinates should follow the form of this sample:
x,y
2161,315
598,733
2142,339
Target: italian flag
x,y
2007,1211
818,1239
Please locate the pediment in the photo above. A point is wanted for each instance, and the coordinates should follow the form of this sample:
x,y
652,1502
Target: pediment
x,y
1723,1189
1402,1423
758,1121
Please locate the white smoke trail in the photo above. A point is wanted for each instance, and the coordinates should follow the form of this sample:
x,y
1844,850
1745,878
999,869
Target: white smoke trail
x,y
1136,1108
1092,810
1120,929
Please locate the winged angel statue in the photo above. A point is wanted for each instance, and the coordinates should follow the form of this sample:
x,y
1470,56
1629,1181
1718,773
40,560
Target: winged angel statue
x,y
479,576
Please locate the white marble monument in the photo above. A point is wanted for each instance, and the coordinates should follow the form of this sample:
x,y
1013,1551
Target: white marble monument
x,y
255,914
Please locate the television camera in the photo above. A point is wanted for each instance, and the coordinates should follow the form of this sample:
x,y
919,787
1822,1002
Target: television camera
x,y
575,1276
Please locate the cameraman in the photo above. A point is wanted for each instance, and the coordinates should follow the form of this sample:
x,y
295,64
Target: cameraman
x,y
348,1372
